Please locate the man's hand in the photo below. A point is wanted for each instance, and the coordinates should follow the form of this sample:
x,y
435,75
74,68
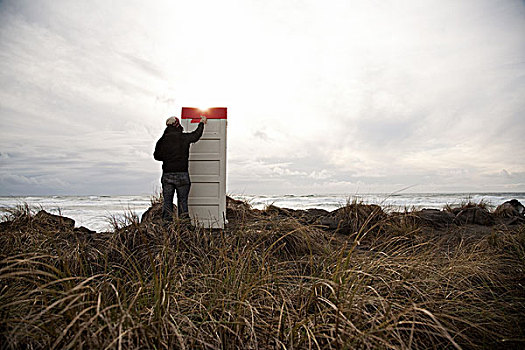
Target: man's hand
x,y
204,119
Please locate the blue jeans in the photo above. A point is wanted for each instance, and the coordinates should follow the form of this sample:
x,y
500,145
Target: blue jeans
x,y
172,182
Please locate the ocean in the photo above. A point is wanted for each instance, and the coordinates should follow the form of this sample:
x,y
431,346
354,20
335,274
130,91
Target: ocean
x,y
96,212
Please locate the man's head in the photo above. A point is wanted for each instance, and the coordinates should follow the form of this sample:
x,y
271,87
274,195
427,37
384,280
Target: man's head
x,y
173,121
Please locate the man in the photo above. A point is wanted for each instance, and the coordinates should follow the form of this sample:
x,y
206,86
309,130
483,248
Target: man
x,y
173,150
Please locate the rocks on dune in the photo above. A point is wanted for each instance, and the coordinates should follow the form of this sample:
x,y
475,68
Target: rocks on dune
x,y
350,219
43,218
272,210
363,217
48,220
310,216
510,209
315,212
235,203
153,214
511,212
356,217
473,215
83,230
306,216
237,210
433,218
353,218
346,220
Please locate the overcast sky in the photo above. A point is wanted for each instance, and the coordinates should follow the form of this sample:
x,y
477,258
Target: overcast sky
x,y
323,96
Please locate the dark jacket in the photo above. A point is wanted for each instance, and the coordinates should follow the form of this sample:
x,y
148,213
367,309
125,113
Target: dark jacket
x,y
173,148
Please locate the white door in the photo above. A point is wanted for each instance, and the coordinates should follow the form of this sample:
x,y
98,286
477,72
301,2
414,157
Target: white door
x,y
207,168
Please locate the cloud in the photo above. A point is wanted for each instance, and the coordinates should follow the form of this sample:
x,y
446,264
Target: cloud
x,y
320,175
323,97
261,135
26,185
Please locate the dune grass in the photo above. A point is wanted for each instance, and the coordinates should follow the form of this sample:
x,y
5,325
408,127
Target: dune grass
x,y
266,282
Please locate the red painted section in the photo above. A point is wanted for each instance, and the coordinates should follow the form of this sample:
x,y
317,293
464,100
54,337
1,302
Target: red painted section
x,y
211,113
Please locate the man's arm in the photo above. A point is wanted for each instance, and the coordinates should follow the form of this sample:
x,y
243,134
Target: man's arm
x,y
158,154
195,135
